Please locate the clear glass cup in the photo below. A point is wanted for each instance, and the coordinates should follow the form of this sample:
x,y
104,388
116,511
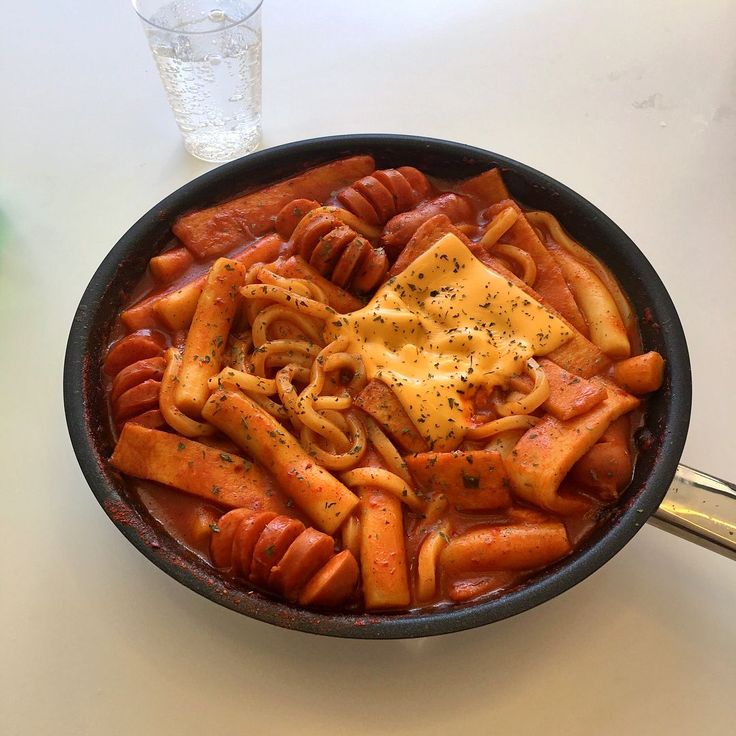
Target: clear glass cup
x,y
208,53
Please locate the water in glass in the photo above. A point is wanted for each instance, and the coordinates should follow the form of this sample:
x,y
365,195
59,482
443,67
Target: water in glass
x,y
210,64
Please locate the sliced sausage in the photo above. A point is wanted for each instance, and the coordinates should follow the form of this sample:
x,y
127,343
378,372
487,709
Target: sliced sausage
x,y
372,271
136,373
333,584
377,194
136,400
397,184
309,551
131,349
330,247
290,215
354,201
246,538
223,536
383,194
153,419
307,238
417,181
357,251
271,546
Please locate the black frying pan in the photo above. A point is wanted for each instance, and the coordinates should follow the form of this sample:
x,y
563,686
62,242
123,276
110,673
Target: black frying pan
x,y
660,441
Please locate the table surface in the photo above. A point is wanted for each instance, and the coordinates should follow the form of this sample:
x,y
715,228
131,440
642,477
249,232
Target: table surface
x,y
631,103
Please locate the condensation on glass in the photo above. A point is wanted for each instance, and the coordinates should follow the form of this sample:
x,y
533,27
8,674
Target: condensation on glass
x,y
208,54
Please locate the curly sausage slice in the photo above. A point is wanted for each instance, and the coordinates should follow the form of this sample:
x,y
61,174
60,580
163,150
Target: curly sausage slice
x,y
309,551
271,546
333,584
223,536
246,538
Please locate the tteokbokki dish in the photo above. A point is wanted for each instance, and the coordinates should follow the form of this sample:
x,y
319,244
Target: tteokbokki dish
x,y
370,390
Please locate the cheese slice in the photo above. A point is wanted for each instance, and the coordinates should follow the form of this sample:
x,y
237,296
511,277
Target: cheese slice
x,y
441,329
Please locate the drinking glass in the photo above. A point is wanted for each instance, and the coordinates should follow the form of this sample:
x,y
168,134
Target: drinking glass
x,y
208,53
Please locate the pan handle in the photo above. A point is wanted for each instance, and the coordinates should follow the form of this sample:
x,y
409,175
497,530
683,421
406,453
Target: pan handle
x,y
701,509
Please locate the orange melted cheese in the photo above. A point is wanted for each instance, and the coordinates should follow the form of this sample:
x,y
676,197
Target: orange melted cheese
x,y
441,329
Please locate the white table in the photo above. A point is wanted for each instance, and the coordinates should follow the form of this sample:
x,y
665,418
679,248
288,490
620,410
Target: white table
x,y
631,103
